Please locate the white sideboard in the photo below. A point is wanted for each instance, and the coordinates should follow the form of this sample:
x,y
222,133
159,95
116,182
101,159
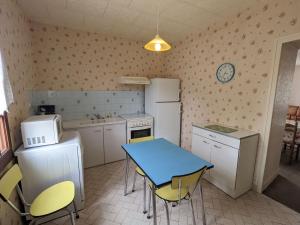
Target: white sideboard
x,y
233,155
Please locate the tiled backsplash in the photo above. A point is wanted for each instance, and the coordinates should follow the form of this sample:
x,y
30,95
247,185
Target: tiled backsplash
x,y
84,104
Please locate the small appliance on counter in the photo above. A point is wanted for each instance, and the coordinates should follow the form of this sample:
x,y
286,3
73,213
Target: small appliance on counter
x,y
46,109
41,130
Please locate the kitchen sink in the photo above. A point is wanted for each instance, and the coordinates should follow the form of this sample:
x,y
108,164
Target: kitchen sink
x,y
96,121
221,129
92,121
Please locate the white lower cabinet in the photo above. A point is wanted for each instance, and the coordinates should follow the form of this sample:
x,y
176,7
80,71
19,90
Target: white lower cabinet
x,y
114,137
233,158
225,159
102,144
199,147
92,140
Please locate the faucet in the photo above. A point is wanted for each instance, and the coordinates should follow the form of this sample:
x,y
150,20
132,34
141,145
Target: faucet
x,y
98,116
108,115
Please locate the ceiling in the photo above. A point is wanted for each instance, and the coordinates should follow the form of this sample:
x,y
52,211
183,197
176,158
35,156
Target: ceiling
x,y
134,19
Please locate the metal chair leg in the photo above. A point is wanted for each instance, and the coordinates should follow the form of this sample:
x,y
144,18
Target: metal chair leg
x,y
134,179
71,216
202,205
297,154
145,210
126,174
75,208
284,147
149,204
33,221
167,212
291,154
194,219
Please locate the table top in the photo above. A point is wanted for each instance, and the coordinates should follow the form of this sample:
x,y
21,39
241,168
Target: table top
x,y
160,160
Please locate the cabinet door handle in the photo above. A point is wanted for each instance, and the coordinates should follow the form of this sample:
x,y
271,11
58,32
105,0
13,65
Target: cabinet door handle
x,y
212,136
108,129
97,131
205,142
216,146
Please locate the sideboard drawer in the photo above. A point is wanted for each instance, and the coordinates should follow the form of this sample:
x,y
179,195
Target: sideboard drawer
x,y
233,142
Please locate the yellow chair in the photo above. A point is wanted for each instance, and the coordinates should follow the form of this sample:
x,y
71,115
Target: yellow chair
x,y
182,187
138,170
51,200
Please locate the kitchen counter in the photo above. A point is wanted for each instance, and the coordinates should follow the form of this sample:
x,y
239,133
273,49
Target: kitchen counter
x,y
71,124
238,133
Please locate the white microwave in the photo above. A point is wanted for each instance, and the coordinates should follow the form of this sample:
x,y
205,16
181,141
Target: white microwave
x,y
41,130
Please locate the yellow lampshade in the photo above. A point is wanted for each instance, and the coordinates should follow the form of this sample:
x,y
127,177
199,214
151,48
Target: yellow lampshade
x,y
157,44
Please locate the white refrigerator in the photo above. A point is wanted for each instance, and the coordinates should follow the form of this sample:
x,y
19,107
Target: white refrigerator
x,y
162,101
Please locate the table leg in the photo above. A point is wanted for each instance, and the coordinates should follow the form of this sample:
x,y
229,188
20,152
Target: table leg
x,y
126,174
154,206
202,204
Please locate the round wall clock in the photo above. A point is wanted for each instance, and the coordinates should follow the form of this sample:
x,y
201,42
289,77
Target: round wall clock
x,y
225,72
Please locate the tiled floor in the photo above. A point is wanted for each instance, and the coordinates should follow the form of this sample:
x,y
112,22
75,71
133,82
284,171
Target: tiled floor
x,y
106,205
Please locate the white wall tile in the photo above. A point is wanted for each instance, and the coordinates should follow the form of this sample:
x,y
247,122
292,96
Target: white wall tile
x,y
82,104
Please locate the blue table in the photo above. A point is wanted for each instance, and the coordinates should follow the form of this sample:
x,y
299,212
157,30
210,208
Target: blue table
x,y
160,160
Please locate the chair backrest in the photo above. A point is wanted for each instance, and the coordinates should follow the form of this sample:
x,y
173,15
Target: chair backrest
x,y
9,181
142,139
188,181
292,130
292,112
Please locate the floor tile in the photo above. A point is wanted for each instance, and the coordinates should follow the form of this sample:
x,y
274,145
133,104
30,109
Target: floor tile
x,y
106,205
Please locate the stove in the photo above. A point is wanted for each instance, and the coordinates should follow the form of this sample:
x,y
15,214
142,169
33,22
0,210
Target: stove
x,y
138,125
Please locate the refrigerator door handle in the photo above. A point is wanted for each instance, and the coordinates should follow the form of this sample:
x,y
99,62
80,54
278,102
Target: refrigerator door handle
x,y
179,94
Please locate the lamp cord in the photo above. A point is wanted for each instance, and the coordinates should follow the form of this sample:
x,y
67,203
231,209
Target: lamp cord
x,y
157,19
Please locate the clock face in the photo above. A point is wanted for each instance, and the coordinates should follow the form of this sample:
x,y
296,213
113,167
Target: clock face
x,y
225,72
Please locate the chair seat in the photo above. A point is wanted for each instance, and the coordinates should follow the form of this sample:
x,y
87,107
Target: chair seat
x,y
53,199
171,195
139,171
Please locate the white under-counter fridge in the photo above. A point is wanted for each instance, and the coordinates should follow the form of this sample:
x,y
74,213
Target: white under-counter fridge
x,y
162,101
47,165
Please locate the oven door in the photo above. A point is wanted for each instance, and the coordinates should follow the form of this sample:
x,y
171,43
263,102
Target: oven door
x,y
139,132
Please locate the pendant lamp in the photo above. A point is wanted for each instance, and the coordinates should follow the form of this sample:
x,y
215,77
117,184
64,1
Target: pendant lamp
x,y
157,44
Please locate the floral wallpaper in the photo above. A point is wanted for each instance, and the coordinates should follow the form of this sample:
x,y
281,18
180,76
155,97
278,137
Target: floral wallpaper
x,y
66,59
247,42
16,47
43,57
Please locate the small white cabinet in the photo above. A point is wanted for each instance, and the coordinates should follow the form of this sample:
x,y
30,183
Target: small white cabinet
x,y
114,137
233,156
92,140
